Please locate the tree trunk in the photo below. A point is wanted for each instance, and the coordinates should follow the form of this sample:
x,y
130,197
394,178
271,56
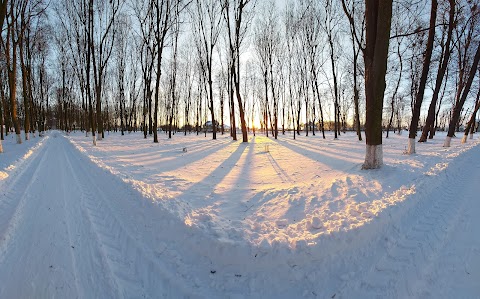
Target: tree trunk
x,y
471,123
240,103
458,107
12,76
423,80
378,15
26,102
430,121
392,104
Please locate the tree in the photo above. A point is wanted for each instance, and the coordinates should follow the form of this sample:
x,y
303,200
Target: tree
x,y
237,22
471,123
121,47
166,13
207,21
378,17
173,94
442,69
267,40
423,79
10,45
102,25
3,12
356,52
330,27
459,105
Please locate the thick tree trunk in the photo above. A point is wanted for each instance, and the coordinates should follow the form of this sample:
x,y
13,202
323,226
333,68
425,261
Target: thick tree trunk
x,y
378,15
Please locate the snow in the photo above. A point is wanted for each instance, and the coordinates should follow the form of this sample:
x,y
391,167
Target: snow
x,y
224,219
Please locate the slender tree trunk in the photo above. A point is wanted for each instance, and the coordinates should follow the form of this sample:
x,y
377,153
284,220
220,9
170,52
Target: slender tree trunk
x,y
232,104
444,59
240,104
471,123
423,80
458,107
395,92
12,83
26,102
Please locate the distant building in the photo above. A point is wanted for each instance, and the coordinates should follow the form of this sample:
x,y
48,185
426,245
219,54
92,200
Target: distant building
x,y
208,126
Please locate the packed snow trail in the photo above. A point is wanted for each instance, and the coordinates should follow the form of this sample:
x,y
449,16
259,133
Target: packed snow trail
x,y
434,252
60,237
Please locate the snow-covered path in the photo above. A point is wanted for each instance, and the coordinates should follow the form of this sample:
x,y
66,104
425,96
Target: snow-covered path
x,y
71,229
435,251
61,236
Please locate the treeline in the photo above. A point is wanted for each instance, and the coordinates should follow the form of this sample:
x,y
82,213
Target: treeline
x,y
302,65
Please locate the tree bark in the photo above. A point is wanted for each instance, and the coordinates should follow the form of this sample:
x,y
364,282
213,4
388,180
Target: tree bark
x,y
423,80
471,123
378,15
458,107
429,123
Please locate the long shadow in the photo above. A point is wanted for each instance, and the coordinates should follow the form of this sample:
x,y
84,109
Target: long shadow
x,y
204,187
328,159
284,176
324,147
163,166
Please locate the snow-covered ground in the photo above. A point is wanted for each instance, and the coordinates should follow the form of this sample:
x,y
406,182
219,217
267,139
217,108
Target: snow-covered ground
x,y
195,217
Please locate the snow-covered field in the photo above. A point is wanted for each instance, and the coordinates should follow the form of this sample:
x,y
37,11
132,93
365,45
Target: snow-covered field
x,y
195,217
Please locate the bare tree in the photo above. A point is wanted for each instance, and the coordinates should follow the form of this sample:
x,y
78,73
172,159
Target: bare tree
x,y
459,105
442,69
10,45
173,93
3,12
166,14
423,79
471,123
237,21
207,21
102,37
375,55
313,45
356,53
267,40
331,29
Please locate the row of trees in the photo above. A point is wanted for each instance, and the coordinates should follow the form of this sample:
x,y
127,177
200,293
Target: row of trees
x,y
176,64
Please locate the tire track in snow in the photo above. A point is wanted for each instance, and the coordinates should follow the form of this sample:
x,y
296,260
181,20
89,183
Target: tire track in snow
x,y
100,229
136,268
455,272
411,251
78,219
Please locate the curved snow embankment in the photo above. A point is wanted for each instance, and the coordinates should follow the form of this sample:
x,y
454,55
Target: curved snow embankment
x,y
406,257
320,266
